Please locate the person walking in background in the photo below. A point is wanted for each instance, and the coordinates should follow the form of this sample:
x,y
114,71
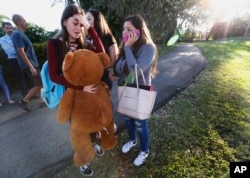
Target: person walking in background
x,y
5,87
7,45
71,37
137,48
27,60
97,20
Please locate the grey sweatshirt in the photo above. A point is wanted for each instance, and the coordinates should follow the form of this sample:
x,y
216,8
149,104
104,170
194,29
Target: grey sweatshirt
x,y
144,59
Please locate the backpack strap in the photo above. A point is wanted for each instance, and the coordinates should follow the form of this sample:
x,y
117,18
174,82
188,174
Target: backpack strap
x,y
58,47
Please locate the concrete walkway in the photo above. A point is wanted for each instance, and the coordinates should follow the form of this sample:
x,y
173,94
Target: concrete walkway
x,y
35,145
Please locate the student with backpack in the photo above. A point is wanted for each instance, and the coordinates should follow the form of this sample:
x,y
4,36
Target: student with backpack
x,y
72,36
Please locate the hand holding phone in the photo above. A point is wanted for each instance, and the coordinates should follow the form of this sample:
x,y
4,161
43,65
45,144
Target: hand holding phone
x,y
126,35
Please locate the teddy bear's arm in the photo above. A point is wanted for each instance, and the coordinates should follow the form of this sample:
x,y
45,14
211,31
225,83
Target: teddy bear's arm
x,y
65,106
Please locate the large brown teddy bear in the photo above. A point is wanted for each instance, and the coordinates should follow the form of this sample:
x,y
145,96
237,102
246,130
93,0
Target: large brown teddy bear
x,y
87,112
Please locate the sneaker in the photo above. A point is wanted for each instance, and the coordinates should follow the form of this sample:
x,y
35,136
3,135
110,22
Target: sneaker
x,y
127,146
24,105
86,170
11,101
98,150
141,158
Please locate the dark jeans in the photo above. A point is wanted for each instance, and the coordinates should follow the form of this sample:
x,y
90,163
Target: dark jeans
x,y
23,85
105,78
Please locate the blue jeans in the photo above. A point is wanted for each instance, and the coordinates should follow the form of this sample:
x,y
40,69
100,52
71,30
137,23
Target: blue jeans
x,y
141,126
4,85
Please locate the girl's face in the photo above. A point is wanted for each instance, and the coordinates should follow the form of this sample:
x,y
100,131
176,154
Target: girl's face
x,y
128,27
90,19
74,26
130,32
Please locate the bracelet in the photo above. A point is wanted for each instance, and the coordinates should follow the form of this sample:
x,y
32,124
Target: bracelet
x,y
111,69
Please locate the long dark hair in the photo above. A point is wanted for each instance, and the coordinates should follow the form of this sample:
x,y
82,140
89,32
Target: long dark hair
x,y
102,28
100,24
63,34
145,37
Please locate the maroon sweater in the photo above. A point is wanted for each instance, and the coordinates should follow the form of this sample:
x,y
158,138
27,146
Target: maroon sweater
x,y
55,71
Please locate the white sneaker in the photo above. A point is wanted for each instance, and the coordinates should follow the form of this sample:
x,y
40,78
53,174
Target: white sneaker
x,y
98,150
127,146
141,158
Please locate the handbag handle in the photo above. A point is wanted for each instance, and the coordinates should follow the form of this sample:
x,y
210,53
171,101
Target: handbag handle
x,y
137,83
136,76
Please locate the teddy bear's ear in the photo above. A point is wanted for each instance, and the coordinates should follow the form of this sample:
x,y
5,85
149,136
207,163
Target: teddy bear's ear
x,y
104,59
68,61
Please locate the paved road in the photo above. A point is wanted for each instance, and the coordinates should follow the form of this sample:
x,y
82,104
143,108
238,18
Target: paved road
x,y
35,145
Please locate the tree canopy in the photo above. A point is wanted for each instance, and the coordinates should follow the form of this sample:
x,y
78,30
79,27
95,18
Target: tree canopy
x,y
163,17
160,15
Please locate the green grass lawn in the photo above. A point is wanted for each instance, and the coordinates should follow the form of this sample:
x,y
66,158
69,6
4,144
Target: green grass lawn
x,y
202,129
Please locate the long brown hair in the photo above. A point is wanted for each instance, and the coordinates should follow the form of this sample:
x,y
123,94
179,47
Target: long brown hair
x,y
102,28
63,34
100,24
145,37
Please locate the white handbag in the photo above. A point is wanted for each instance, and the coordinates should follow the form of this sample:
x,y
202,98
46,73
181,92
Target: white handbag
x,y
136,102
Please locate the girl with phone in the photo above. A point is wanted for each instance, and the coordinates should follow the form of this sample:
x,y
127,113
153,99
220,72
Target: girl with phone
x,y
138,48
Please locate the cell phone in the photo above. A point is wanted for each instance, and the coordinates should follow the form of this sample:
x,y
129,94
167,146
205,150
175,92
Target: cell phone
x,y
126,36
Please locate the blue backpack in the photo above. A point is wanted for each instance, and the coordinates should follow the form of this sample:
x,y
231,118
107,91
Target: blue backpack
x,y
51,92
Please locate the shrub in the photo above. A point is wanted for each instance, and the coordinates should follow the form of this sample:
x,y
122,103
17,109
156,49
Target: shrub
x,y
232,28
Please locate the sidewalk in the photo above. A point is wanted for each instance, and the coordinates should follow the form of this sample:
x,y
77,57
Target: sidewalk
x,y
35,145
